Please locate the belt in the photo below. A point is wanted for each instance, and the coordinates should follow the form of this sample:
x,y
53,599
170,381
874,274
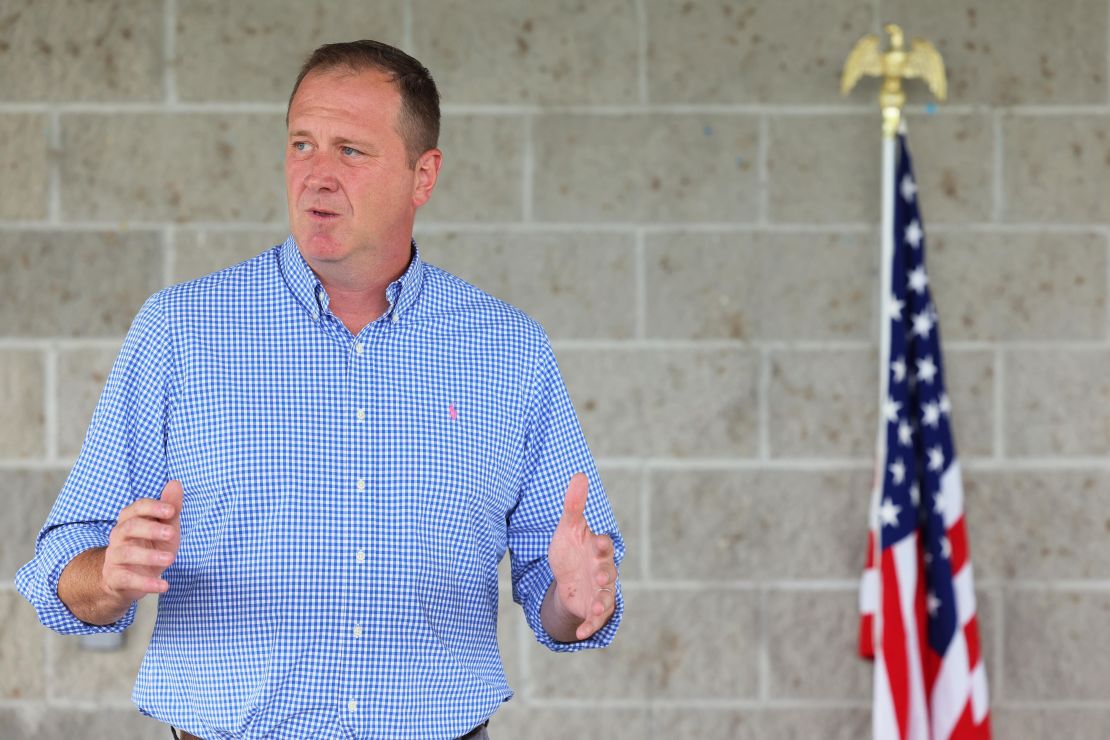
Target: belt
x,y
182,735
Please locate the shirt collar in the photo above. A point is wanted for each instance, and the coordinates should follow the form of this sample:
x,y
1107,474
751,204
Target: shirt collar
x,y
309,292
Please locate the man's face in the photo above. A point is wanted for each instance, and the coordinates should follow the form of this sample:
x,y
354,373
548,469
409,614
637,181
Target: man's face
x,y
352,194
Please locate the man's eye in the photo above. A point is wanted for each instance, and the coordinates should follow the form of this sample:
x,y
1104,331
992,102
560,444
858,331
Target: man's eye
x,y
349,151
300,146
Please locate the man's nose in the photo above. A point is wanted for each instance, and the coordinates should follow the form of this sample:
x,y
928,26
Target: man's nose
x,y
320,175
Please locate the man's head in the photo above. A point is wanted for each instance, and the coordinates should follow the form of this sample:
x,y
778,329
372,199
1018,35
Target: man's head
x,y
418,121
360,158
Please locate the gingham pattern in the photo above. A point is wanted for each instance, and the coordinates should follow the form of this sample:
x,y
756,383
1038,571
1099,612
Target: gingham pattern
x,y
347,501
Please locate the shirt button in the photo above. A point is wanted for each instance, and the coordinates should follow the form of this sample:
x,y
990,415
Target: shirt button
x,y
352,705
393,317
360,484
358,630
315,314
358,348
360,415
360,556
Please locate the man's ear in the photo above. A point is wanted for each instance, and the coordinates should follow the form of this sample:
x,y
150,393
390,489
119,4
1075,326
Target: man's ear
x,y
426,176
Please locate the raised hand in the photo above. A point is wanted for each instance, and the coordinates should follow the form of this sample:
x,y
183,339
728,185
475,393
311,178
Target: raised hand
x,y
583,596
142,545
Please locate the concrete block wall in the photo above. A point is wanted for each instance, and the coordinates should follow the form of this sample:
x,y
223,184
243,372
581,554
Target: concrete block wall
x,y
679,194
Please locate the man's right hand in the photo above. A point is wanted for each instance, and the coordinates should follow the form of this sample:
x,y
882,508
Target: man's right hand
x,y
142,545
99,585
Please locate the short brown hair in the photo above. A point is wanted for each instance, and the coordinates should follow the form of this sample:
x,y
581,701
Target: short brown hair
x,y
418,120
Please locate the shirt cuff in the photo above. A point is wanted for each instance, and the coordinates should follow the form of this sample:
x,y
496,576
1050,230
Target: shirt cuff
x,y
38,580
535,584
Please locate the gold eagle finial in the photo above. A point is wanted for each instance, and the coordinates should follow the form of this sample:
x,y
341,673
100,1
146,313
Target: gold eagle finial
x,y
922,60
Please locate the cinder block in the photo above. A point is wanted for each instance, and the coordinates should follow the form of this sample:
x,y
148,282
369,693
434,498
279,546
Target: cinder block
x,y
23,649
45,722
812,646
701,52
1026,723
75,284
761,286
67,50
518,720
1048,654
252,50
953,157
196,166
200,252
107,677
646,168
969,378
1019,287
824,169
24,163
25,498
1055,402
622,487
578,286
663,651
21,396
82,374
1023,52
666,403
823,403
563,51
1039,525
742,525
795,723
1056,167
482,175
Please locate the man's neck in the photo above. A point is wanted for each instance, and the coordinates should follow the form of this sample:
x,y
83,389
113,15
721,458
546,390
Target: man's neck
x,y
357,296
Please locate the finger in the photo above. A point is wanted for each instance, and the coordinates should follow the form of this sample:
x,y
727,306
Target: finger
x,y
174,495
146,529
603,546
121,579
131,555
574,502
146,507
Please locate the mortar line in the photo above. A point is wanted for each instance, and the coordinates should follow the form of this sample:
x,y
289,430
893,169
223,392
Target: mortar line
x,y
641,284
642,42
54,174
528,168
169,53
999,436
50,402
645,523
406,26
998,191
764,404
763,172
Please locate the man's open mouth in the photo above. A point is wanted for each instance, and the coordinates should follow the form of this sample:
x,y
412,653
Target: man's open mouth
x,y
321,213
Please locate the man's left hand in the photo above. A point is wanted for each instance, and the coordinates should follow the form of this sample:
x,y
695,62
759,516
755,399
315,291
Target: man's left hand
x,y
583,596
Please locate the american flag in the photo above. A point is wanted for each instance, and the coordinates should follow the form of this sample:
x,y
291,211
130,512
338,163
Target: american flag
x,y
917,598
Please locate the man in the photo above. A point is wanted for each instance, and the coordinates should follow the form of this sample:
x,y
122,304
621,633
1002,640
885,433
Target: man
x,y
318,457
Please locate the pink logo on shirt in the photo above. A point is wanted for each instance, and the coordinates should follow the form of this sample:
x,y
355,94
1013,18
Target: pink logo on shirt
x,y
454,414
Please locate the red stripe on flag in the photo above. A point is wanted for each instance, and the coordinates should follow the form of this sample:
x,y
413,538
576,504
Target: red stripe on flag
x,y
966,729
971,636
894,642
957,537
867,637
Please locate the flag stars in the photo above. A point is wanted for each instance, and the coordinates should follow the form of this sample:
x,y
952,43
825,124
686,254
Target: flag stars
x,y
926,369
899,368
930,414
945,548
940,503
888,513
894,308
914,234
933,604
891,409
922,324
909,188
898,471
945,404
918,279
905,433
915,495
936,458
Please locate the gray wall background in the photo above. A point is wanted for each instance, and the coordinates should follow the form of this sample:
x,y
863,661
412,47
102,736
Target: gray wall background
x,y
678,193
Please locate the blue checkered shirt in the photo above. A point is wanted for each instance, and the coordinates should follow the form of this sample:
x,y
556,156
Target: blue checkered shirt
x,y
347,501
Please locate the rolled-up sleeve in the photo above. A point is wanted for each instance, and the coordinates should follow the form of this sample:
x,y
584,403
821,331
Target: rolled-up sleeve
x,y
122,459
555,449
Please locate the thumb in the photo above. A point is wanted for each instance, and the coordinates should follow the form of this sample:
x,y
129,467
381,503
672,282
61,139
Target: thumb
x,y
173,494
574,503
